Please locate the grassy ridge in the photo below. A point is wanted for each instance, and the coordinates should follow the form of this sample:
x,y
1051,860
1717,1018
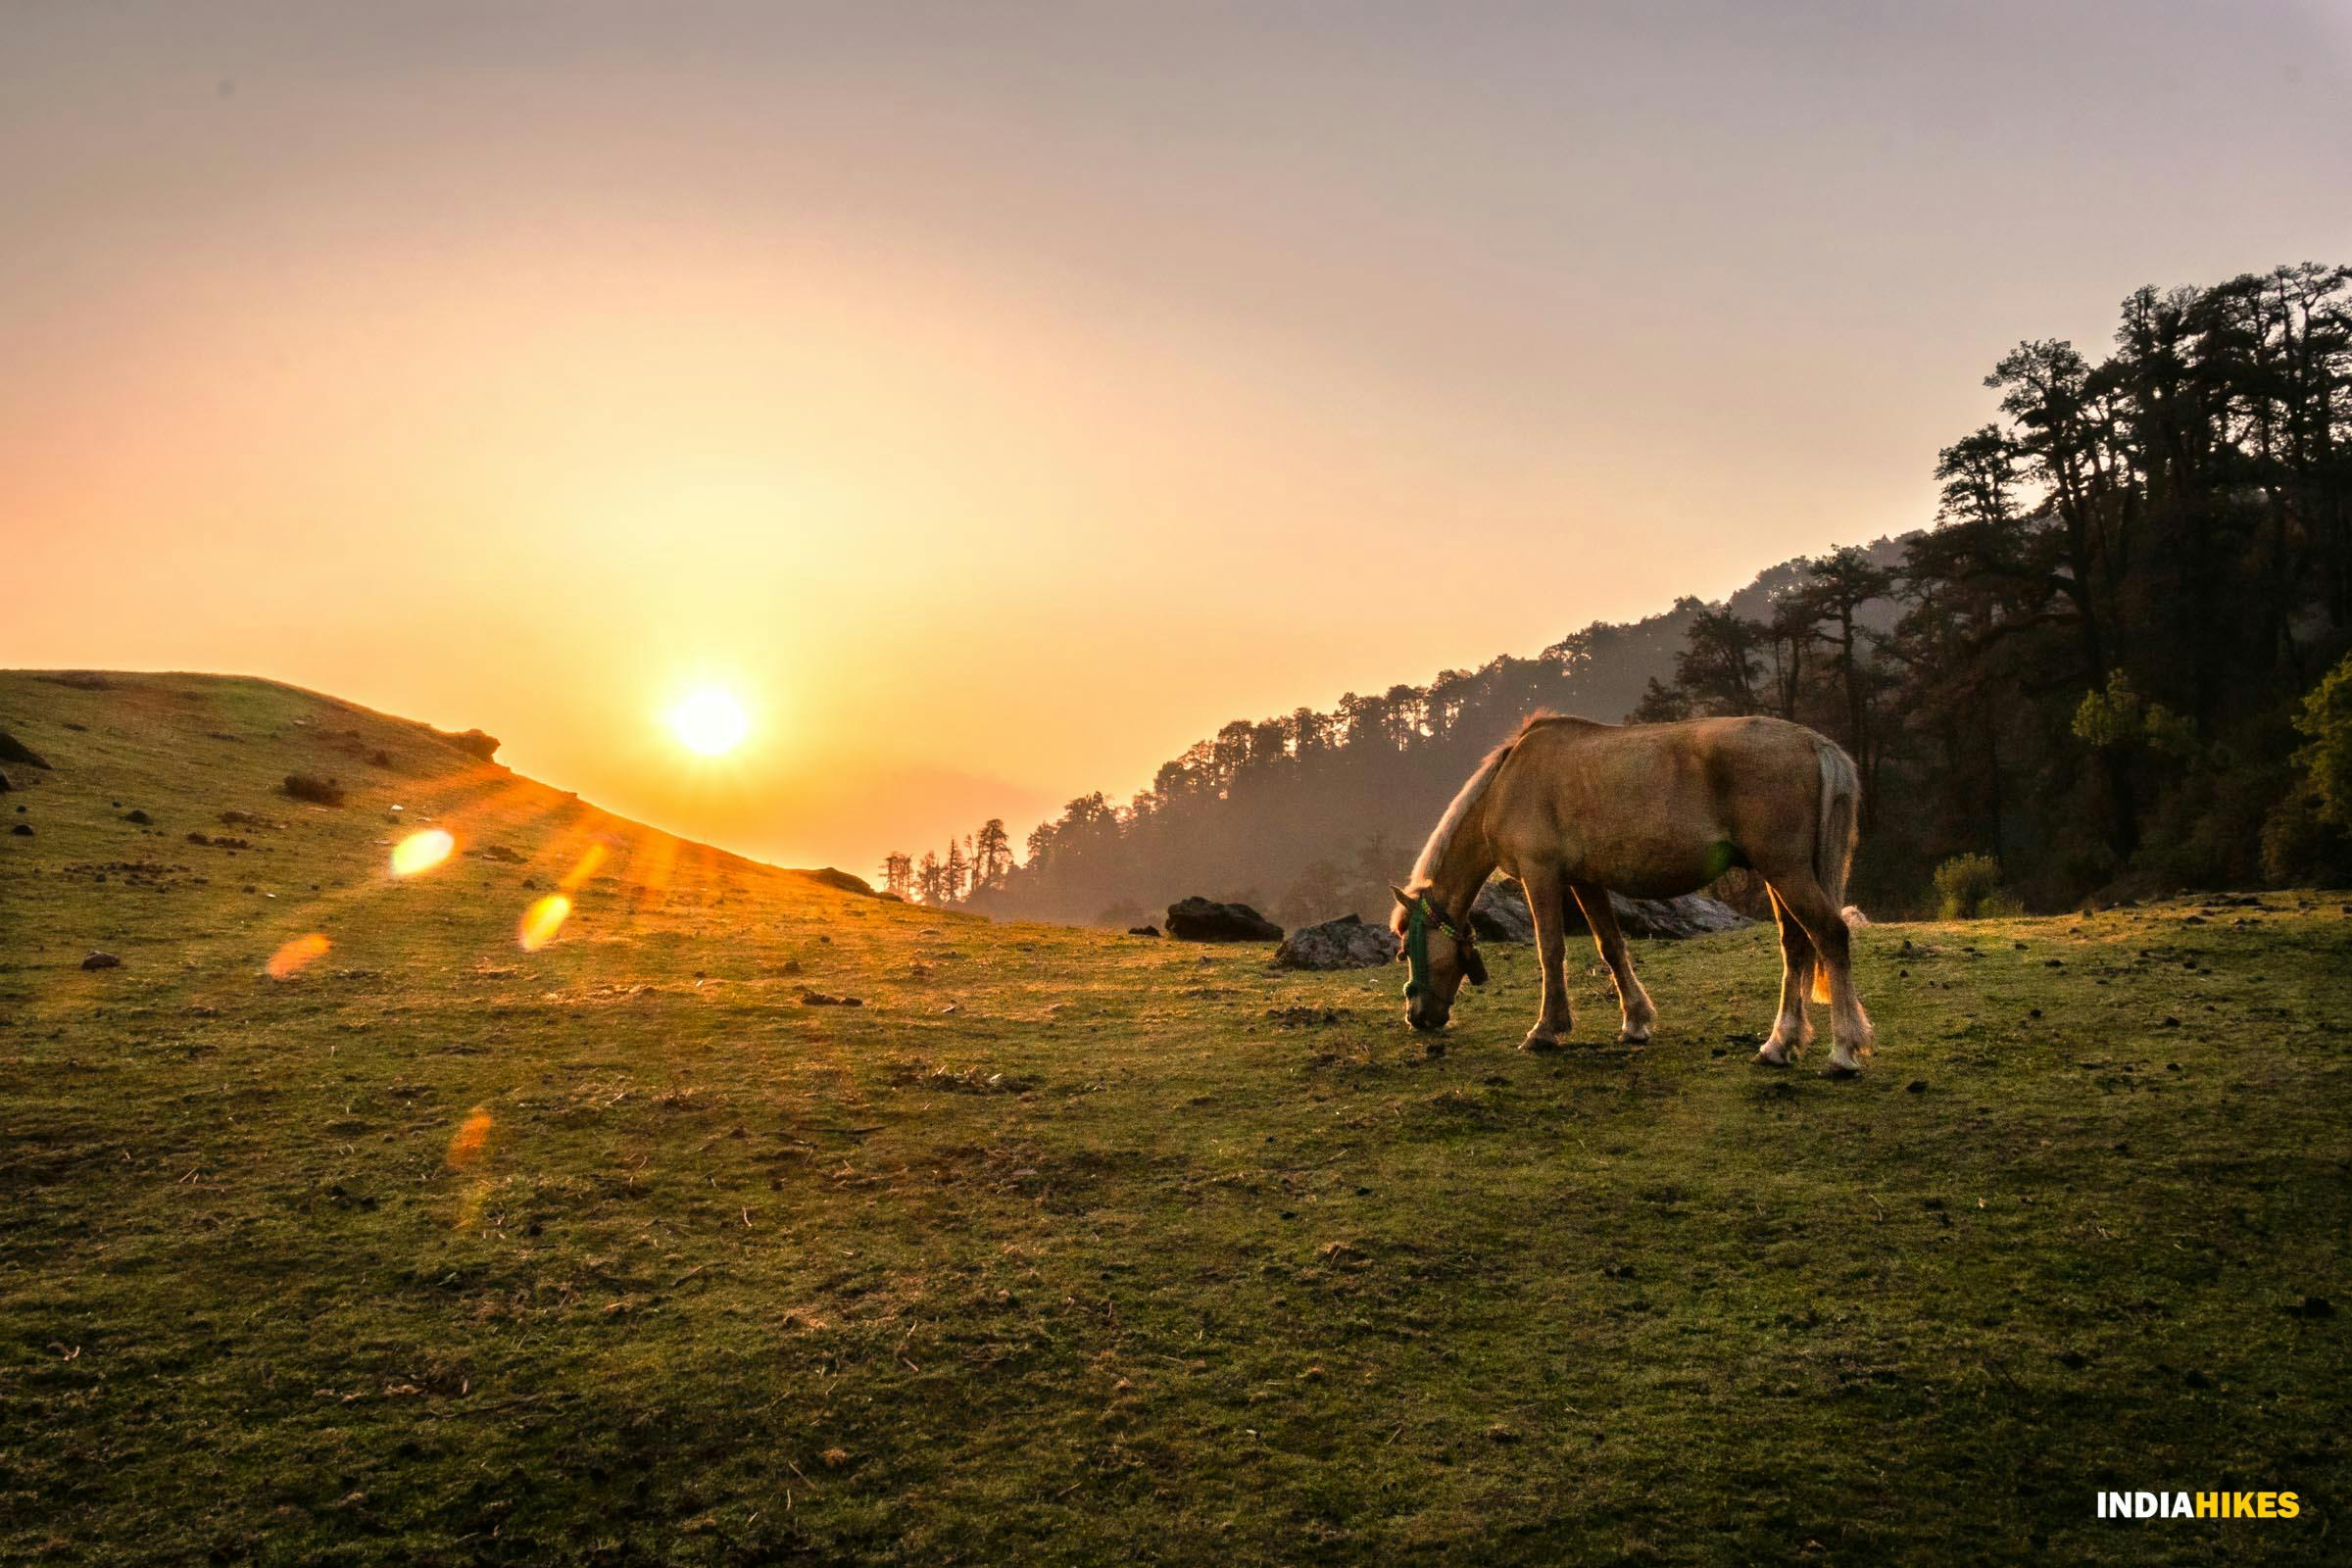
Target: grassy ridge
x,y
1066,1246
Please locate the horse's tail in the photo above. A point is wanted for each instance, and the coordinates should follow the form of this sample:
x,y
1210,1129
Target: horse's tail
x,y
1833,838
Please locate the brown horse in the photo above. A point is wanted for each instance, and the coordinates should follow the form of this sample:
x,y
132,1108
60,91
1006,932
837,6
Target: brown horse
x,y
1578,810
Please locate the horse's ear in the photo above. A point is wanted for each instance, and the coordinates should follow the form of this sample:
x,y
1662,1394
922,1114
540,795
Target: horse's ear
x,y
1402,897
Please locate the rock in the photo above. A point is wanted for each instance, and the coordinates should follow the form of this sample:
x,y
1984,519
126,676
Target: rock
x,y
1342,944
835,877
499,852
102,961
472,742
1198,919
820,999
1693,914
317,791
22,830
5,785
138,816
13,750
1143,930
1500,914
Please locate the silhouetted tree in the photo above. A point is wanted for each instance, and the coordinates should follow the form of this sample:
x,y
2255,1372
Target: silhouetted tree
x,y
992,854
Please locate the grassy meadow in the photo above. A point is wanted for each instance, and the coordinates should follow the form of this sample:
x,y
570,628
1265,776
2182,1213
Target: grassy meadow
x,y
1073,1248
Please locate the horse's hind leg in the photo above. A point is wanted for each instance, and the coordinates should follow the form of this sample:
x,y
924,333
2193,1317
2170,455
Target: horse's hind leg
x,y
1633,1003
1824,926
1792,1030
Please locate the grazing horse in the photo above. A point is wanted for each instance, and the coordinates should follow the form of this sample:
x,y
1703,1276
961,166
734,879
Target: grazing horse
x,y
1578,810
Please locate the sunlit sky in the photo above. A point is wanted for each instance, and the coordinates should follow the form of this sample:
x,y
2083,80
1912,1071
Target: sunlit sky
x,y
993,398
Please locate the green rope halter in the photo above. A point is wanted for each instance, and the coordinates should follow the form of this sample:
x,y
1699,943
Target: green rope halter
x,y
1418,919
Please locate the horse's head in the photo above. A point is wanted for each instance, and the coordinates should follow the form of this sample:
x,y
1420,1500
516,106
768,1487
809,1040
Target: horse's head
x,y
1439,953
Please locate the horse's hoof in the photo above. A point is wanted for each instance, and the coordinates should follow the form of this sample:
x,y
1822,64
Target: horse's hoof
x,y
1625,1037
1842,1069
1770,1056
1541,1042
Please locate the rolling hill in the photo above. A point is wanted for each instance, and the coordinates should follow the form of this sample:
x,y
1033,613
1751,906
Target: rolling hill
x,y
344,1229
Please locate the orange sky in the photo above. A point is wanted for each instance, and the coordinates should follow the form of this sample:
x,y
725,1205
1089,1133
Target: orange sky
x,y
1000,398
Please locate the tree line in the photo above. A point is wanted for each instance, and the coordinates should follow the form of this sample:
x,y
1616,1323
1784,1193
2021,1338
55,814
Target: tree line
x,y
2099,669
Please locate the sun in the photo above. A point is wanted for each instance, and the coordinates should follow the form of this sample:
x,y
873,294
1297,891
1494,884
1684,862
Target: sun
x,y
710,722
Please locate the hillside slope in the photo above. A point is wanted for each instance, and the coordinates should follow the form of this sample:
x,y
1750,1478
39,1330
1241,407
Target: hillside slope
x,y
1074,1247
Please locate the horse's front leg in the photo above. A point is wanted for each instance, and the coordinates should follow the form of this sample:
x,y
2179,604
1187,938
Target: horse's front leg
x,y
1547,900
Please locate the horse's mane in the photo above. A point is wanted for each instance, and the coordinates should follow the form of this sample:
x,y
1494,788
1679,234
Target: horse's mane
x,y
1432,854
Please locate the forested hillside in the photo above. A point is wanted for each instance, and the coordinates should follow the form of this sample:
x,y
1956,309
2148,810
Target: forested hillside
x,y
2092,671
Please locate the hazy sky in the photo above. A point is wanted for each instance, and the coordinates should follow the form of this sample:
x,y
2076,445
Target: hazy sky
x,y
1001,397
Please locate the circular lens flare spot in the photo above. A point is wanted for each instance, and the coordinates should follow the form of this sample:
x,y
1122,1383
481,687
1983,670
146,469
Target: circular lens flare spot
x,y
710,723
297,956
542,920
470,1139
421,851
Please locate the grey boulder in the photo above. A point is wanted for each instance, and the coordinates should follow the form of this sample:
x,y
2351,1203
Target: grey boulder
x,y
1342,944
1500,914
1207,920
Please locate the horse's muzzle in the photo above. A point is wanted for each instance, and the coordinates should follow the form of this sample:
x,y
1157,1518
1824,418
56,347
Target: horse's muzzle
x,y
1429,1020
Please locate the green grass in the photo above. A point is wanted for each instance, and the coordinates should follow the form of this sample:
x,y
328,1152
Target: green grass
x,y
1063,1247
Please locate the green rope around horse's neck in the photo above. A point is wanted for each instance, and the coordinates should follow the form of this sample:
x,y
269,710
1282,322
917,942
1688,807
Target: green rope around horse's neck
x,y
1416,949
1417,944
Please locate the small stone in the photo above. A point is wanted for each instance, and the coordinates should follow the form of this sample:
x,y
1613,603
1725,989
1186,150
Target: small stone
x,y
102,961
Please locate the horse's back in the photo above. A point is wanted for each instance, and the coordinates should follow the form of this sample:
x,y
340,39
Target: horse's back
x,y
1653,809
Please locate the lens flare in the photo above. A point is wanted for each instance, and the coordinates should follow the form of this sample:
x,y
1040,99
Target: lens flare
x,y
421,851
589,863
542,920
710,723
470,1139
297,956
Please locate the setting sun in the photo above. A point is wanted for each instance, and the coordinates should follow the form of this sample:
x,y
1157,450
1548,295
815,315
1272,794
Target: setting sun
x,y
710,723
